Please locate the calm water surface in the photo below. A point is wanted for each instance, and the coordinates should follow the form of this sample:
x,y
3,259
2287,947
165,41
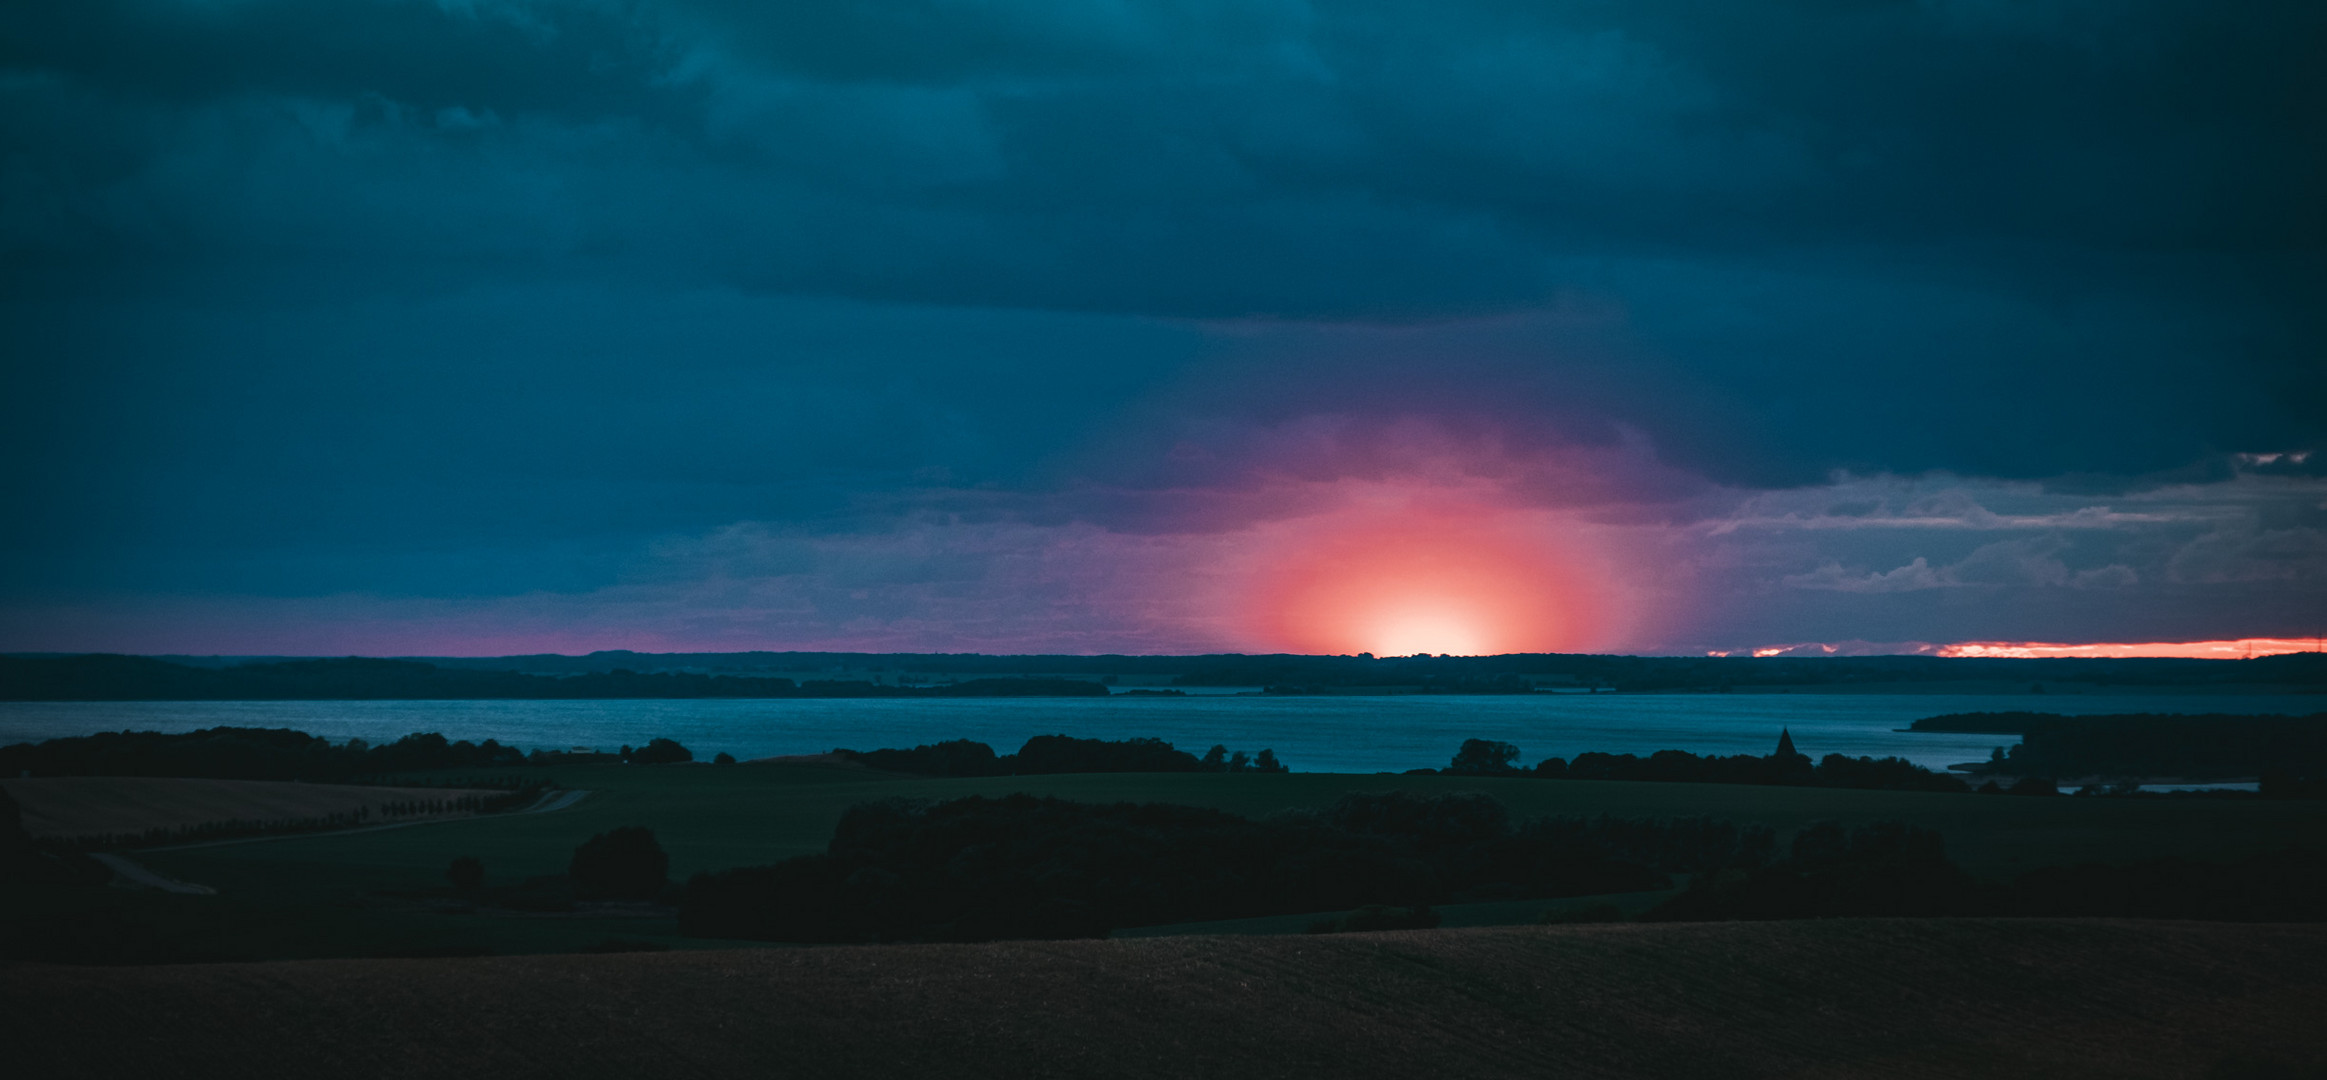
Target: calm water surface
x,y
1311,734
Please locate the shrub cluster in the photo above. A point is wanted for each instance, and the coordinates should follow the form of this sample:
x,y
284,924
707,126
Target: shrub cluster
x,y
1025,867
623,864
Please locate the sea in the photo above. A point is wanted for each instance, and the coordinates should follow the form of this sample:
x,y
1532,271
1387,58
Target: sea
x,y
1352,734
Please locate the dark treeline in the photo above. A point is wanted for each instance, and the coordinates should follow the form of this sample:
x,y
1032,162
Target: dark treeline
x,y
1025,867
1486,757
751,675
137,678
1050,754
2144,744
1894,870
230,753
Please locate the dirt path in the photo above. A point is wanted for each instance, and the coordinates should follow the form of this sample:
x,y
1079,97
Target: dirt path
x,y
147,878
549,802
554,800
106,810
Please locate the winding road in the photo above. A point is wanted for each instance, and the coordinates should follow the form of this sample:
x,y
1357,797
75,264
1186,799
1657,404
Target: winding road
x,y
122,867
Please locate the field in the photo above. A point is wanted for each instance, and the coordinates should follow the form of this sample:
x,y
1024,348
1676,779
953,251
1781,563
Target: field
x,y
368,893
1831,998
88,806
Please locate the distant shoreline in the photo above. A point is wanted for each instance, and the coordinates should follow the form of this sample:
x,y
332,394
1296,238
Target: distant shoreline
x,y
775,676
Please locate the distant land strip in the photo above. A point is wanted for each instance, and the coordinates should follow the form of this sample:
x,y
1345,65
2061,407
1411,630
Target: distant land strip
x,y
107,677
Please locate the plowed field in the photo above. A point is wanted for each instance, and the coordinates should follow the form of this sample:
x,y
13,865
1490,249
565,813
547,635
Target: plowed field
x,y
1875,998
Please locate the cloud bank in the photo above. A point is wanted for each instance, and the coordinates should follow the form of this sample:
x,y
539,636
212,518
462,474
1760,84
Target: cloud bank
x,y
458,326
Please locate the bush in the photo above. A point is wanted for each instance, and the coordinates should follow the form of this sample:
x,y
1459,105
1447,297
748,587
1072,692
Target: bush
x,y
625,864
1484,756
1044,754
954,757
658,752
724,758
466,873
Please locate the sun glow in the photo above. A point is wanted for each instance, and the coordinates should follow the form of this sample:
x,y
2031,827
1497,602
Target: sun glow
x,y
2205,650
1395,577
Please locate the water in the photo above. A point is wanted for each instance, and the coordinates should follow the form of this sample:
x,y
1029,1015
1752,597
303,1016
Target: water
x,y
1311,734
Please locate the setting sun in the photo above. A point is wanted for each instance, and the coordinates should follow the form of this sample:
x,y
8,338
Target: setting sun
x,y
1415,577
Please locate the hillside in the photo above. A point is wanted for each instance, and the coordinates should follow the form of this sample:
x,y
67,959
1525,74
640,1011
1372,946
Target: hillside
x,y
2030,998
101,806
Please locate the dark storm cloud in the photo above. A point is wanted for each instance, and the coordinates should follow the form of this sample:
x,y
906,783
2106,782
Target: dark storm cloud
x,y
2059,204
484,297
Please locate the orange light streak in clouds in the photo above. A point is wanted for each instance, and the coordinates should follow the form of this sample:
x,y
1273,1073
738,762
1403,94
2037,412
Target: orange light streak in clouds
x,y
2203,650
1400,574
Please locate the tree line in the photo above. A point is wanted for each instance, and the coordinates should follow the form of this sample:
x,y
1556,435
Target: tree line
x,y
1786,767
237,753
2213,746
1020,866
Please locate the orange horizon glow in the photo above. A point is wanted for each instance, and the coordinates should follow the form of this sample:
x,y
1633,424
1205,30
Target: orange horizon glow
x,y
2202,650
1421,575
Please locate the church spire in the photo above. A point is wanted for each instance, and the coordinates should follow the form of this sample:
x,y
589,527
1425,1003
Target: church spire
x,y
1786,744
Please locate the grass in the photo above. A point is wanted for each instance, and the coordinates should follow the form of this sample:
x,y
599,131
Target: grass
x,y
327,895
1831,998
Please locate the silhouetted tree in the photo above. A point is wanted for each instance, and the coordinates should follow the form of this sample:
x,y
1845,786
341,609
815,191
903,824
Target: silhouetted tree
x,y
1484,756
624,864
658,752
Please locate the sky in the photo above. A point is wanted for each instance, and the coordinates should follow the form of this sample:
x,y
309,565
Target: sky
x,y
462,327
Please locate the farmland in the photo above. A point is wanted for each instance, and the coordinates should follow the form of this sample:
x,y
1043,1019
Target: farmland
x,y
1905,998
364,894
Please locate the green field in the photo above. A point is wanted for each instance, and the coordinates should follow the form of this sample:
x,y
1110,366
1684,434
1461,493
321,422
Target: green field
x,y
370,893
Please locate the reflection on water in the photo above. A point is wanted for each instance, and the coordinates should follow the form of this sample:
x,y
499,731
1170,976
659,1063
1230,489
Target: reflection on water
x,y
1312,734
